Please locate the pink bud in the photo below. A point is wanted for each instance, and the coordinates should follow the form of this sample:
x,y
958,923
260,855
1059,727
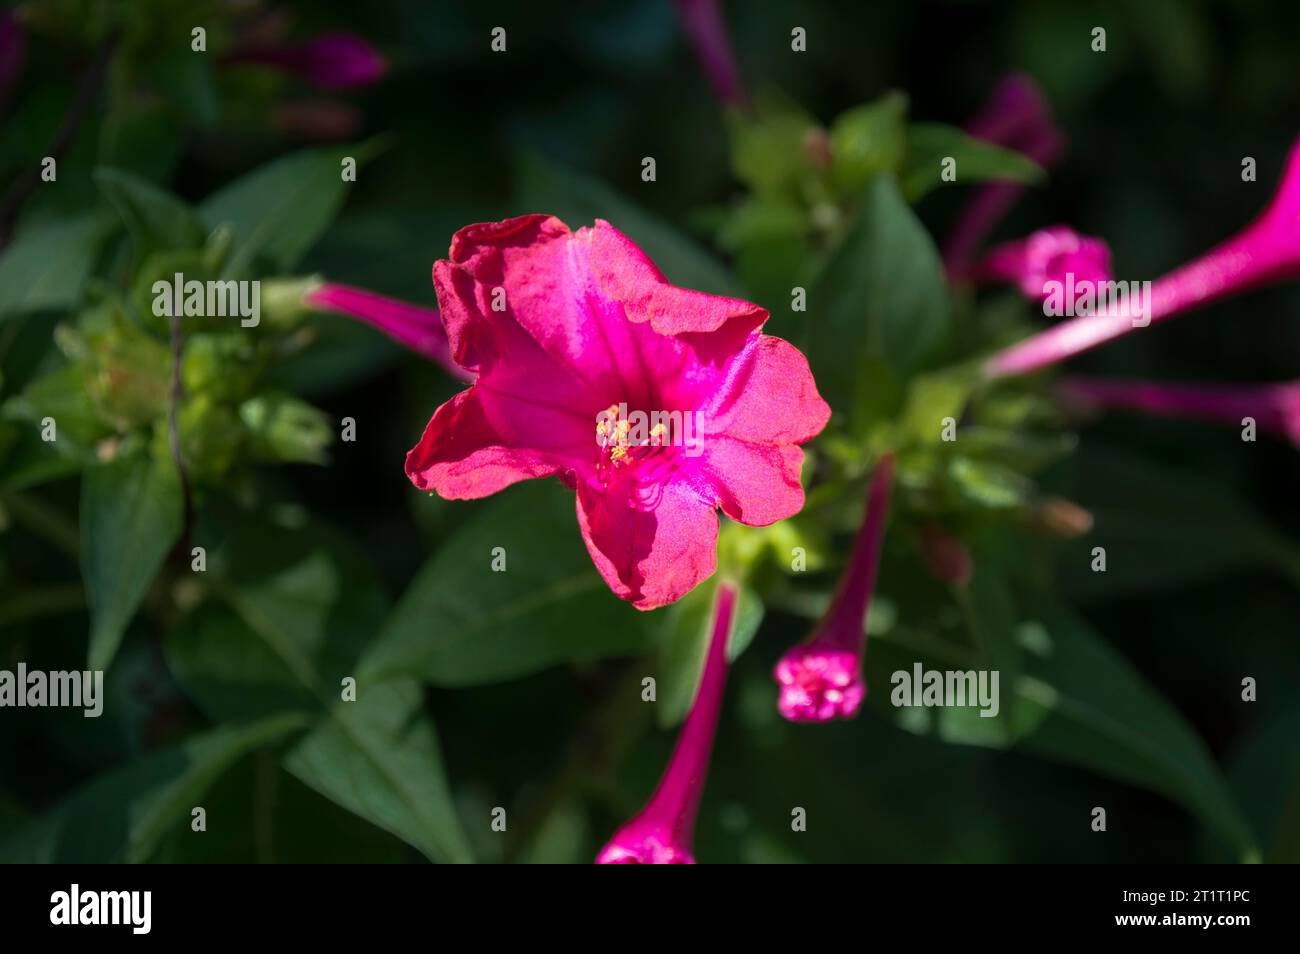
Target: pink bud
x,y
411,326
821,679
663,831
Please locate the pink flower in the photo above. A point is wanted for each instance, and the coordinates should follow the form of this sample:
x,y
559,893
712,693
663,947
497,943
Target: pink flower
x,y
1057,254
663,831
1265,251
1016,116
411,326
821,679
331,60
1274,407
572,336
707,31
13,55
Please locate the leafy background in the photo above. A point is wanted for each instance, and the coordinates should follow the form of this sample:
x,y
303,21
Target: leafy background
x,y
521,689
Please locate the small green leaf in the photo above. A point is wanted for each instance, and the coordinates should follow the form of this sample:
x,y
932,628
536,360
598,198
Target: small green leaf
x,y
867,140
579,200
123,816
931,398
684,645
46,265
278,212
769,147
462,624
930,144
155,217
990,485
130,518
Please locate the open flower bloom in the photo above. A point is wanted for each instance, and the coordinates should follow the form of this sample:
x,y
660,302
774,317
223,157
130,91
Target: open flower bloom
x,y
1275,408
337,60
663,831
821,679
1265,251
656,404
1017,117
413,327
707,31
1053,255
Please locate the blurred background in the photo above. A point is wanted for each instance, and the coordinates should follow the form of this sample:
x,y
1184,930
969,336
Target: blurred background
x,y
1157,127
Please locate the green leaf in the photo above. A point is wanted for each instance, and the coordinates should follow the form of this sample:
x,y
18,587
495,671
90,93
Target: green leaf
x,y
1097,711
580,200
278,212
379,757
1163,527
684,645
62,394
768,238
990,485
931,398
867,140
46,265
882,295
769,147
300,613
462,624
130,518
123,816
930,144
991,616
1081,703
155,217
1265,777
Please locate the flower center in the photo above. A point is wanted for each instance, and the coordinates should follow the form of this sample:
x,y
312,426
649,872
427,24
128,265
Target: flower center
x,y
647,445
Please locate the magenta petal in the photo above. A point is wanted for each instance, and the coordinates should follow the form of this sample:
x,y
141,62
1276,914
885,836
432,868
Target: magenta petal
x,y
1048,255
769,396
625,273
467,451
757,484
819,683
653,545
419,329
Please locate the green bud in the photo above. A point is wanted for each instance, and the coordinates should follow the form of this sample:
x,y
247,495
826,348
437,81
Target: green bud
x,y
284,428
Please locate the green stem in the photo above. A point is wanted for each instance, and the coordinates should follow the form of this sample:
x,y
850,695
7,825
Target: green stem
x,y
44,521
47,601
